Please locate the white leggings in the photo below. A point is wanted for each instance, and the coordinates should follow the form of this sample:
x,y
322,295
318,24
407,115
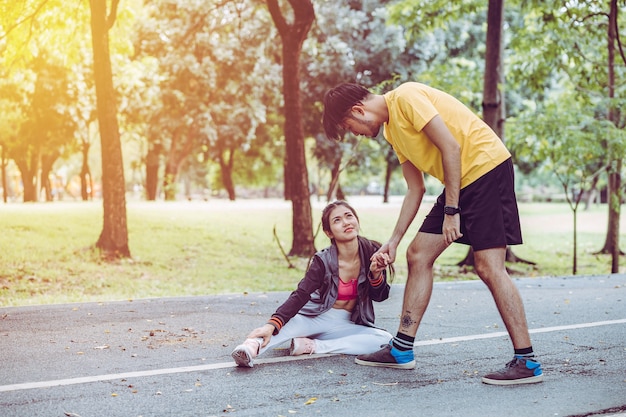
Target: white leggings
x,y
333,332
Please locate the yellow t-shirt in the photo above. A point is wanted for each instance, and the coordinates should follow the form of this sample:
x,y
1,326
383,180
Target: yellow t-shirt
x,y
412,105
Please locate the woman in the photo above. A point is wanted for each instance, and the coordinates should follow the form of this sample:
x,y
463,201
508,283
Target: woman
x,y
331,311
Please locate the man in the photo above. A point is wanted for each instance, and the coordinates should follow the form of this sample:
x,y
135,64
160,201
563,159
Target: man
x,y
432,132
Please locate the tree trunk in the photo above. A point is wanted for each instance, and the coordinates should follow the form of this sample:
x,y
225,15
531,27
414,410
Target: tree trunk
x,y
113,240
493,97
334,179
3,168
28,166
180,149
392,164
340,193
293,35
575,236
46,167
287,177
226,171
593,191
153,157
494,111
86,183
388,172
170,177
611,243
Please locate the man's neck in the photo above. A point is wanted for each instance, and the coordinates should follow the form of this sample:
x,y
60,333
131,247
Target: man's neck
x,y
379,107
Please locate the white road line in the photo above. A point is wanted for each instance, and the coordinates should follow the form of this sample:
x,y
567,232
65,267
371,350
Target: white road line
x,y
505,334
198,368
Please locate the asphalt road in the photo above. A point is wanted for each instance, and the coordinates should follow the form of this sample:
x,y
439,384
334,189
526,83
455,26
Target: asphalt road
x,y
171,357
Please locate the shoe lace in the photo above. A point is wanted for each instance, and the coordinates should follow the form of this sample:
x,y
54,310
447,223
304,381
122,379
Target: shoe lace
x,y
512,363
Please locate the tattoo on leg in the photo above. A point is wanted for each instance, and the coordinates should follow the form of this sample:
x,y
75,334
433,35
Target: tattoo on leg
x,y
407,321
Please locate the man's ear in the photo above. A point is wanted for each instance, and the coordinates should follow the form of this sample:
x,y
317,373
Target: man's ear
x,y
358,108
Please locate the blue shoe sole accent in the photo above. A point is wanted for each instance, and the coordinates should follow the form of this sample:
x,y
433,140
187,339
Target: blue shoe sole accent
x,y
402,356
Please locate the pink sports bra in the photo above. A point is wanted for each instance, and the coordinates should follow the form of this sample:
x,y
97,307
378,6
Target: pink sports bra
x,y
347,290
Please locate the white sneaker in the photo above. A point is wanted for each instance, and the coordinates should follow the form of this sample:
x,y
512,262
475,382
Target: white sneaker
x,y
301,346
246,352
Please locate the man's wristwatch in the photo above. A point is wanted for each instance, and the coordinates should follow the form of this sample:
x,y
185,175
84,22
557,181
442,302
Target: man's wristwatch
x,y
450,210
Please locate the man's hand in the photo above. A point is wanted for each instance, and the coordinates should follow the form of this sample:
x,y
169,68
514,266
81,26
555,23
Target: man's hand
x,y
451,228
379,261
385,255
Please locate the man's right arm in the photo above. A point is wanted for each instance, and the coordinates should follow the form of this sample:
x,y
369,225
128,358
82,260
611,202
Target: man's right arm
x,y
412,200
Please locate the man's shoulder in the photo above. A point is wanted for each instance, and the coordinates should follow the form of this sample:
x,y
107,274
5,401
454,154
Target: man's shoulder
x,y
410,93
411,87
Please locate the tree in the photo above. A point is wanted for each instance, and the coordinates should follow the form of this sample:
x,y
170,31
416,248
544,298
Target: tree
x,y
9,127
351,42
3,171
493,97
38,74
212,80
113,240
560,136
431,17
84,115
47,129
578,41
611,244
296,176
494,107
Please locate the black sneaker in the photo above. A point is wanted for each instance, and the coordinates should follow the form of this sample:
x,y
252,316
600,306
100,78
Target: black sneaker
x,y
388,357
519,371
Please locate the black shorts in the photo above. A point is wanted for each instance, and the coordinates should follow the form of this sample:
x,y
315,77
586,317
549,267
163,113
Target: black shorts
x,y
489,215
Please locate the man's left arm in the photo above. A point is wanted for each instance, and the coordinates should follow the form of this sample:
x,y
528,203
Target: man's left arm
x,y
442,138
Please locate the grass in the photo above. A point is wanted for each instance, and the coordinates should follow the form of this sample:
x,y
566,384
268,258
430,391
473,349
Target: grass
x,y
217,247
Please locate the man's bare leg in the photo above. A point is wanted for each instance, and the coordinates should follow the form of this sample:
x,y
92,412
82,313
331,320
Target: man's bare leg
x,y
524,368
492,271
422,253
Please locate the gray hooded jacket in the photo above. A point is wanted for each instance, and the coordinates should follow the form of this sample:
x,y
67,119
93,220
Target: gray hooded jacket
x,y
317,291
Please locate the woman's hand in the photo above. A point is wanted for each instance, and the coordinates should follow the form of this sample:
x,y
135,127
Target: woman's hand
x,y
264,331
379,261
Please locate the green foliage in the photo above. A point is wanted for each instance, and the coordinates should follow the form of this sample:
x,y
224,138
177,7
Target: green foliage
x,y
211,81
571,41
421,17
450,37
210,72
574,146
350,42
563,139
